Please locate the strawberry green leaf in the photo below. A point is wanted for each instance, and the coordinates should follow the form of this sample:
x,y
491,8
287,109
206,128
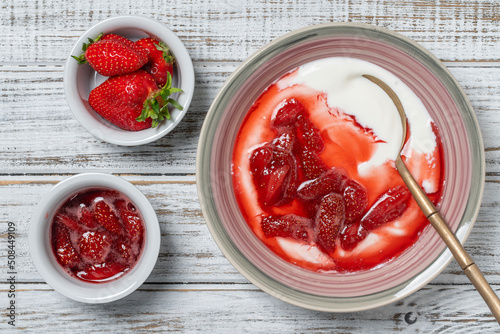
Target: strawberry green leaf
x,y
81,58
158,110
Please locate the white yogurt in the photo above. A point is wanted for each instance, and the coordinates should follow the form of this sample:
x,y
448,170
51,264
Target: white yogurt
x,y
341,80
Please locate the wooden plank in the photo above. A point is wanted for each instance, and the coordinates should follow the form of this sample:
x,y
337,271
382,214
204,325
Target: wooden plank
x,y
242,308
63,146
188,253
454,30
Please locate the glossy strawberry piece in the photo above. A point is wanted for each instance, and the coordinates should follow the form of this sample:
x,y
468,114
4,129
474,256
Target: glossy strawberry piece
x,y
101,272
260,158
287,226
351,235
356,201
68,221
330,181
63,248
274,175
86,217
285,140
308,134
287,113
329,220
387,208
311,165
94,246
107,218
131,220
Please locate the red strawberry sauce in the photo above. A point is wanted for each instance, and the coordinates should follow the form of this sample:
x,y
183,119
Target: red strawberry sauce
x,y
97,235
296,180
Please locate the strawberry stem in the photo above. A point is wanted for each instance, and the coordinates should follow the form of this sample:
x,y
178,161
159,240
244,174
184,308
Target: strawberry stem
x,y
167,55
81,58
152,107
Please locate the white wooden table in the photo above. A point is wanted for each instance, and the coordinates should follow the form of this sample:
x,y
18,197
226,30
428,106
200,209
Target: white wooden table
x,y
193,288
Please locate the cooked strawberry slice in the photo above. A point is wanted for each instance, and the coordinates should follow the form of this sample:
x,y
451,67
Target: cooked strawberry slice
x,y
328,182
86,217
311,165
308,134
285,140
160,59
107,218
387,208
94,246
329,220
68,221
287,113
260,158
351,235
275,186
63,248
287,226
124,251
356,201
102,272
131,220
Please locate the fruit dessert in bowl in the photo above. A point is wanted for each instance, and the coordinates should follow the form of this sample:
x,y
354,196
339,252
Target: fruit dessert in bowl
x,y
296,171
94,238
129,80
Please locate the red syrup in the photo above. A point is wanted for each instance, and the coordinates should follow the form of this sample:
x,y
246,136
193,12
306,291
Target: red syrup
x,y
97,235
296,180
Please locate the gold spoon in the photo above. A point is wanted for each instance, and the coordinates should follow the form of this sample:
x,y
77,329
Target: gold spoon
x,y
435,218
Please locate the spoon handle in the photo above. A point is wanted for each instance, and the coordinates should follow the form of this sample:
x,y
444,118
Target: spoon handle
x,y
454,245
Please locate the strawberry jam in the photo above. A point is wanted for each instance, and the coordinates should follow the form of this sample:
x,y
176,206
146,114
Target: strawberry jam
x,y
300,185
97,235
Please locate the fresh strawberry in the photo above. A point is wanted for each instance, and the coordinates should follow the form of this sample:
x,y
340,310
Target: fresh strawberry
x,y
131,220
329,220
328,182
139,49
107,218
64,250
356,201
101,272
133,101
311,165
351,235
387,208
308,134
112,56
94,246
287,226
160,59
287,114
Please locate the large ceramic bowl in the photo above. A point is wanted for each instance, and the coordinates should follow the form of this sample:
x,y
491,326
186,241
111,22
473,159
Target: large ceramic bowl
x,y
463,155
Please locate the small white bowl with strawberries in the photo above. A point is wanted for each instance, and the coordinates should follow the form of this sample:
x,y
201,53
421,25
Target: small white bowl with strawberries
x,y
129,80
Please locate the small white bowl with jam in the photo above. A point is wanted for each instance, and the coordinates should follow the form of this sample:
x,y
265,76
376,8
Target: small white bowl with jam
x,y
94,238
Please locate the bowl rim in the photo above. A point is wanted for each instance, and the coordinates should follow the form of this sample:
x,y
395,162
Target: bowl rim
x,y
337,304
50,270
104,130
